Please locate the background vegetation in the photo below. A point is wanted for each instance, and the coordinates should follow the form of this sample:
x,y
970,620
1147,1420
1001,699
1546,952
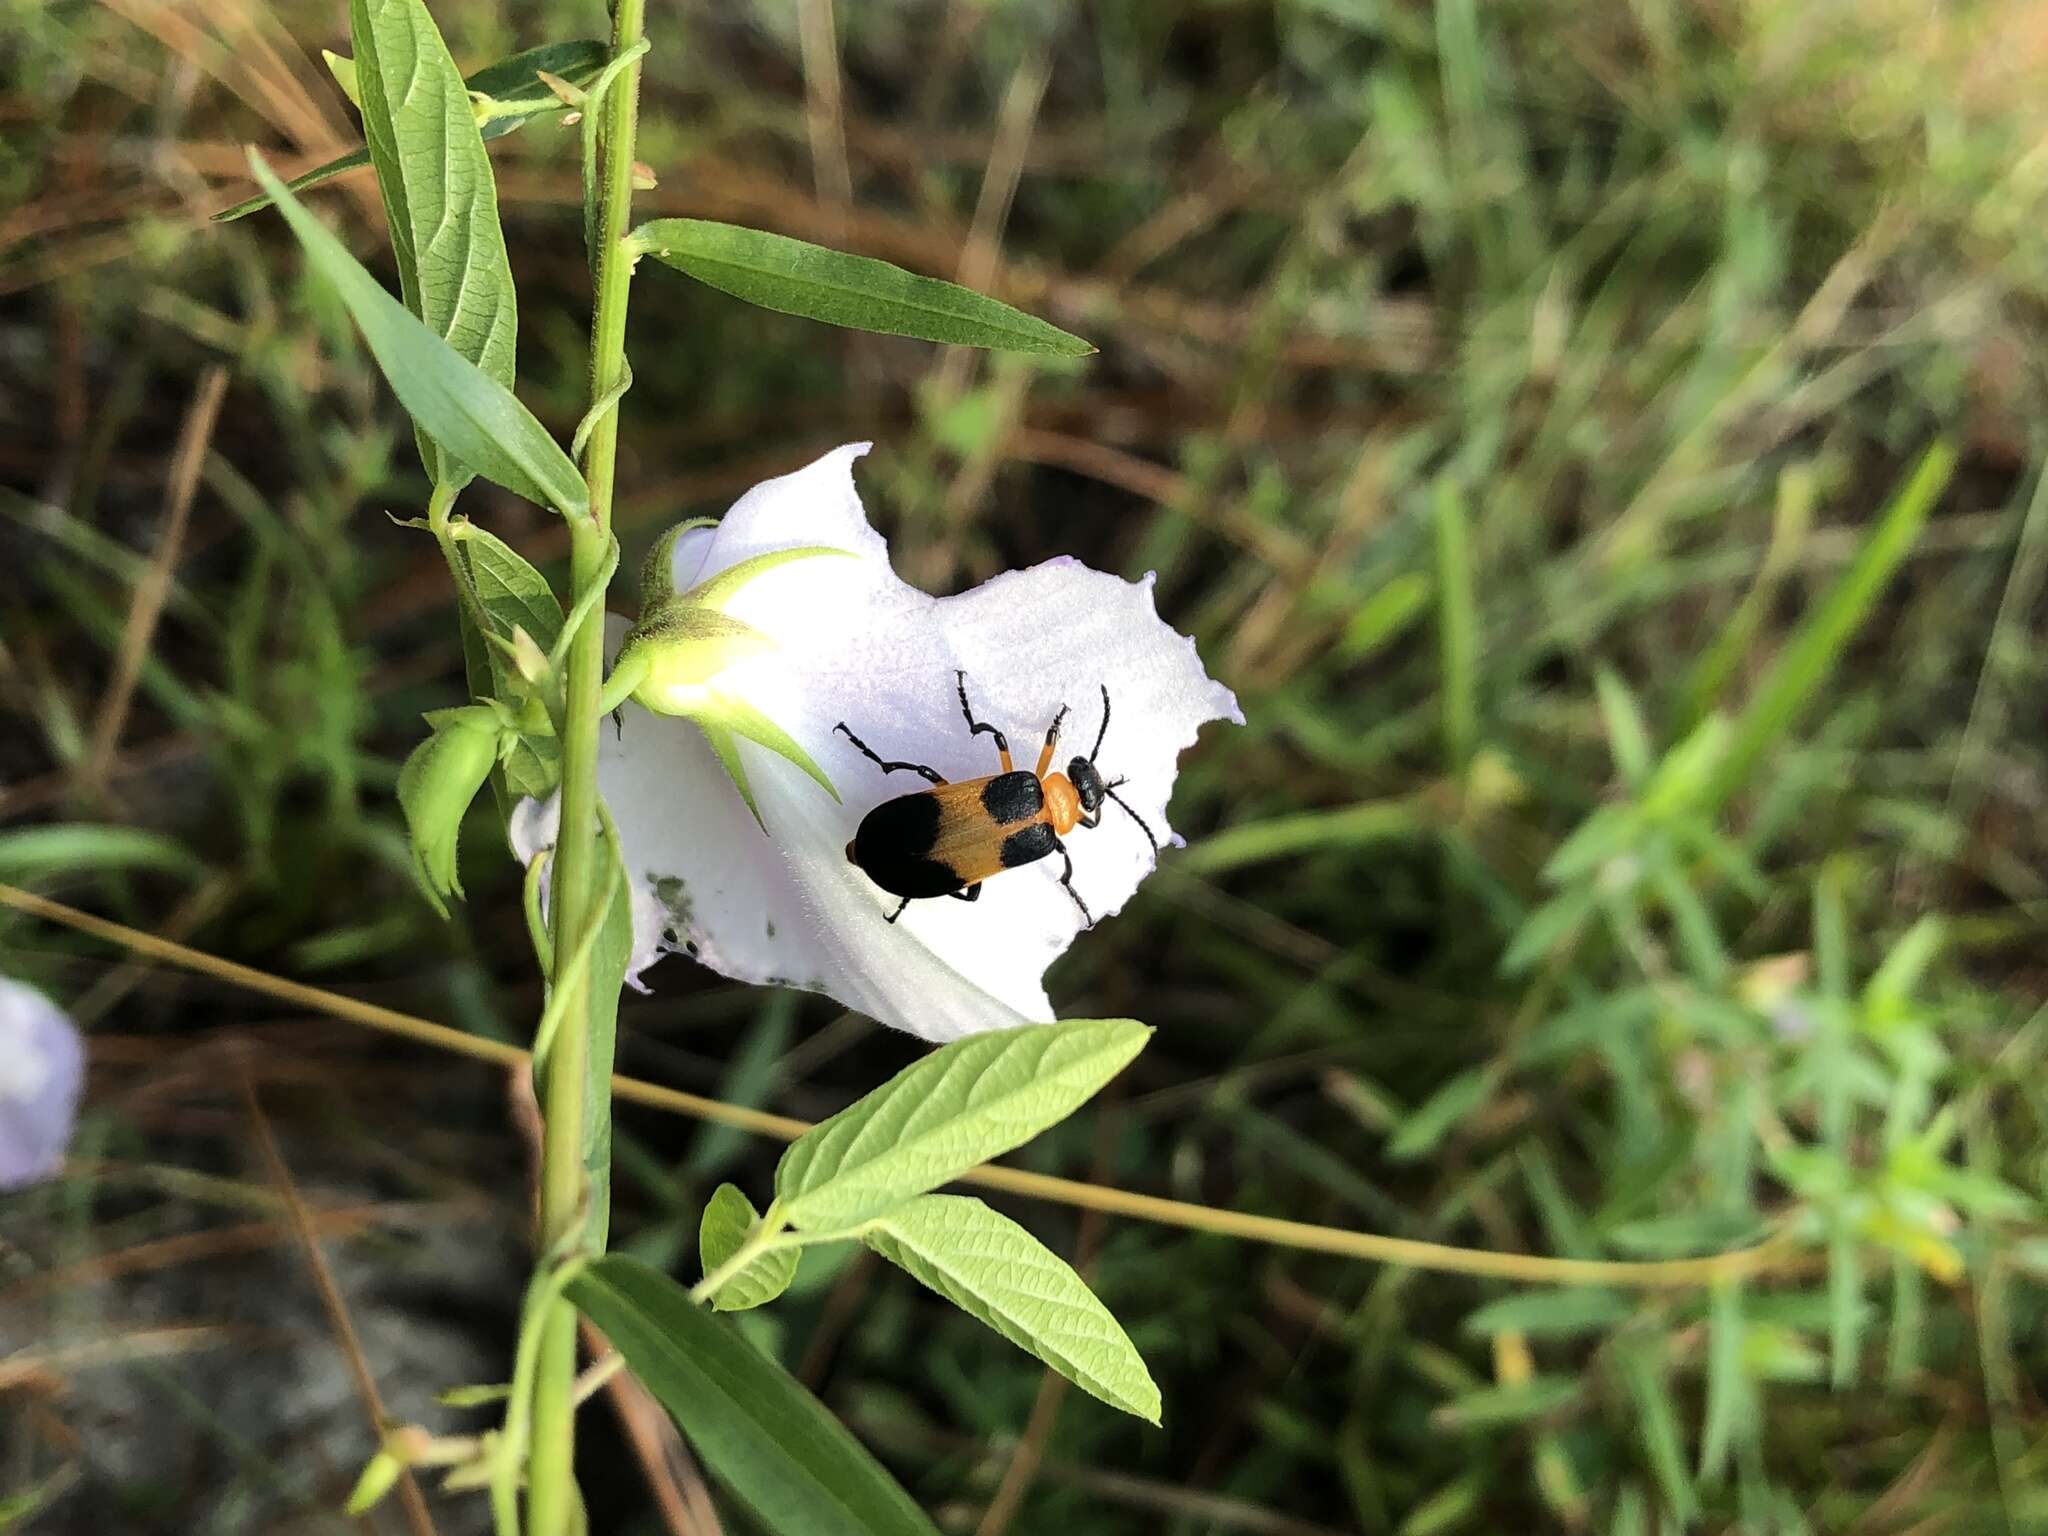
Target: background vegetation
x,y
1636,848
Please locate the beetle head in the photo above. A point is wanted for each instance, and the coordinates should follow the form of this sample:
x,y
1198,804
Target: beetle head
x,y
1087,784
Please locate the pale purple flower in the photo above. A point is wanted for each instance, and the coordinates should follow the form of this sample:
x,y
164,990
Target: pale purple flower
x,y
42,1065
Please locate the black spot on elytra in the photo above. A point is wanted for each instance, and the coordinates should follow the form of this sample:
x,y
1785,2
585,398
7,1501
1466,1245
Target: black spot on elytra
x,y
893,846
1028,845
1012,797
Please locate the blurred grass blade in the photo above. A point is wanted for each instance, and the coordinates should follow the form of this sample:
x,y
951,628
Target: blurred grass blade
x,y
1491,1407
1280,837
1845,1306
1657,1423
991,1268
1628,739
795,277
1728,1404
754,1427
1385,616
517,94
1809,657
729,1216
468,412
1441,1113
964,1104
1552,1314
1457,626
83,848
1792,519
440,202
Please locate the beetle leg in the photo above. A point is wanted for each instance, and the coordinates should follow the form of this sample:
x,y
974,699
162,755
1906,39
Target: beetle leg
x,y
1067,880
978,727
899,909
967,893
1052,741
887,767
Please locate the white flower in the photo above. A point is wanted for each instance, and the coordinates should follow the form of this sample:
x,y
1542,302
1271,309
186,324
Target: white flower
x,y
42,1063
778,901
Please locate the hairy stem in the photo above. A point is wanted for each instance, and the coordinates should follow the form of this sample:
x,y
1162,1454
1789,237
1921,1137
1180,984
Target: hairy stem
x,y
552,1504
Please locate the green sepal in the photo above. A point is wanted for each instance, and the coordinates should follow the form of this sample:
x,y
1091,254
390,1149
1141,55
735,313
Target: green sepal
x,y
722,588
684,648
726,746
742,717
657,571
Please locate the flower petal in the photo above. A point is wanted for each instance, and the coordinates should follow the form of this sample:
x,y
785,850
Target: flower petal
x,y
42,1064
859,646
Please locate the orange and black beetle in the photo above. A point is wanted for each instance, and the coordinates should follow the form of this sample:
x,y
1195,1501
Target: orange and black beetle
x,y
946,840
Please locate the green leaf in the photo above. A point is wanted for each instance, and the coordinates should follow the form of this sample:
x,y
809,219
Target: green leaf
x,y
992,1269
1552,1314
77,848
729,1217
963,1104
439,200
758,1431
517,98
461,407
794,277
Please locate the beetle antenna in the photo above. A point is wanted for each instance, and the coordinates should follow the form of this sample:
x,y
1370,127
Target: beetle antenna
x,y
1105,726
1110,790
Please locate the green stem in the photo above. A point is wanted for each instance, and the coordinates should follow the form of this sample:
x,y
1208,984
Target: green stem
x,y
551,1502
439,504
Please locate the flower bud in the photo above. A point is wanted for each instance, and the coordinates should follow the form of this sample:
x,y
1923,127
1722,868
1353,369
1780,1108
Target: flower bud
x,y
435,787
680,658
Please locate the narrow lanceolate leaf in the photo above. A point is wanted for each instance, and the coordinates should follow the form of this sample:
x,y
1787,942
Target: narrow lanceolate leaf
x,y
460,406
992,1269
438,194
963,1104
517,96
728,1217
759,1432
795,277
